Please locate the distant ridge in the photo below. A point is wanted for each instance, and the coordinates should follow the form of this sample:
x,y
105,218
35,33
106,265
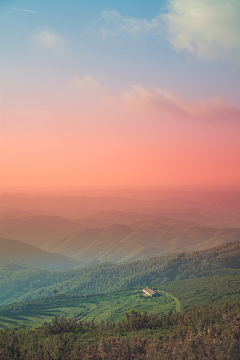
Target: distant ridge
x,y
16,251
37,230
143,239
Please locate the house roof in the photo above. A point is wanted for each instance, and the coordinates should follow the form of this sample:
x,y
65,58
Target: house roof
x,y
149,291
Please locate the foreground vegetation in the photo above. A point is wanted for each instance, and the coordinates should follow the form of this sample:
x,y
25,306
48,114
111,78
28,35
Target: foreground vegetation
x,y
19,283
122,324
199,333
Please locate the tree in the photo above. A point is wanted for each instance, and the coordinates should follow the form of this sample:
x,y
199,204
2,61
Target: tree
x,y
55,291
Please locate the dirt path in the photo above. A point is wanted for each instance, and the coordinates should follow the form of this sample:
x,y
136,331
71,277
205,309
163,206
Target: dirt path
x,y
178,308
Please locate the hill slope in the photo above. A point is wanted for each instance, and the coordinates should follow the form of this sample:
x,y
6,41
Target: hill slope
x,y
34,283
16,251
210,290
37,230
112,307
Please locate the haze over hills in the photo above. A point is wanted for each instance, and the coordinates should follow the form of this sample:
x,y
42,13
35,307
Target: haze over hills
x,y
116,229
208,201
118,242
209,208
16,251
37,230
104,218
66,206
16,214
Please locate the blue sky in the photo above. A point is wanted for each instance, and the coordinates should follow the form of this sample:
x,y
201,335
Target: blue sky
x,y
122,59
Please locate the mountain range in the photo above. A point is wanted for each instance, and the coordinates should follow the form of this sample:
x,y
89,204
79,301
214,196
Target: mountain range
x,y
220,206
92,229
49,236
118,242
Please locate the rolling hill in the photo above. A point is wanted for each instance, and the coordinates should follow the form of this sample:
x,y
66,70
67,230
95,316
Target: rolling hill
x,y
27,284
143,239
115,242
175,296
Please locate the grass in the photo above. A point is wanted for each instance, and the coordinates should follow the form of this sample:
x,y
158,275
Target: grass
x,y
107,307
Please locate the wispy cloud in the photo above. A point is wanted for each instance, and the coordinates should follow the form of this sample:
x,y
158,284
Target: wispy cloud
x,y
31,11
158,104
86,83
114,24
166,105
206,29
91,89
47,38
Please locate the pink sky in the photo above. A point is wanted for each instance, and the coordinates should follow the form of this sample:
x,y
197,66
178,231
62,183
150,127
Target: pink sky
x,y
144,137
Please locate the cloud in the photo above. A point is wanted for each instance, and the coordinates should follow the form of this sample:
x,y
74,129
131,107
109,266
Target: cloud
x,y
166,105
89,88
31,11
158,104
115,24
47,38
87,83
206,29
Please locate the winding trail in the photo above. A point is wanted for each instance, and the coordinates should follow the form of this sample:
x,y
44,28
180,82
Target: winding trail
x,y
178,307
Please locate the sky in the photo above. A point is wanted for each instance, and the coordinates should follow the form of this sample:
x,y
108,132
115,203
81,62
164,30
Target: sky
x,y
125,94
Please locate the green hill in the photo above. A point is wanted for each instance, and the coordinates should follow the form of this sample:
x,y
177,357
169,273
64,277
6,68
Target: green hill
x,y
176,295
33,283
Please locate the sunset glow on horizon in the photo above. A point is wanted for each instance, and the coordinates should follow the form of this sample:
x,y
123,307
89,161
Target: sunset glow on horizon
x,y
120,94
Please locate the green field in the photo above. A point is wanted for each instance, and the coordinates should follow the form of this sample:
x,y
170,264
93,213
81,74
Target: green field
x,y
107,307
176,295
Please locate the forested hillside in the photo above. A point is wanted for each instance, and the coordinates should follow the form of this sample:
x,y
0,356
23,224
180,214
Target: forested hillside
x,y
27,284
112,306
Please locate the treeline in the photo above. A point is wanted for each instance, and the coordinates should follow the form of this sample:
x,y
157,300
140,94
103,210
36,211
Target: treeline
x,y
199,333
33,283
